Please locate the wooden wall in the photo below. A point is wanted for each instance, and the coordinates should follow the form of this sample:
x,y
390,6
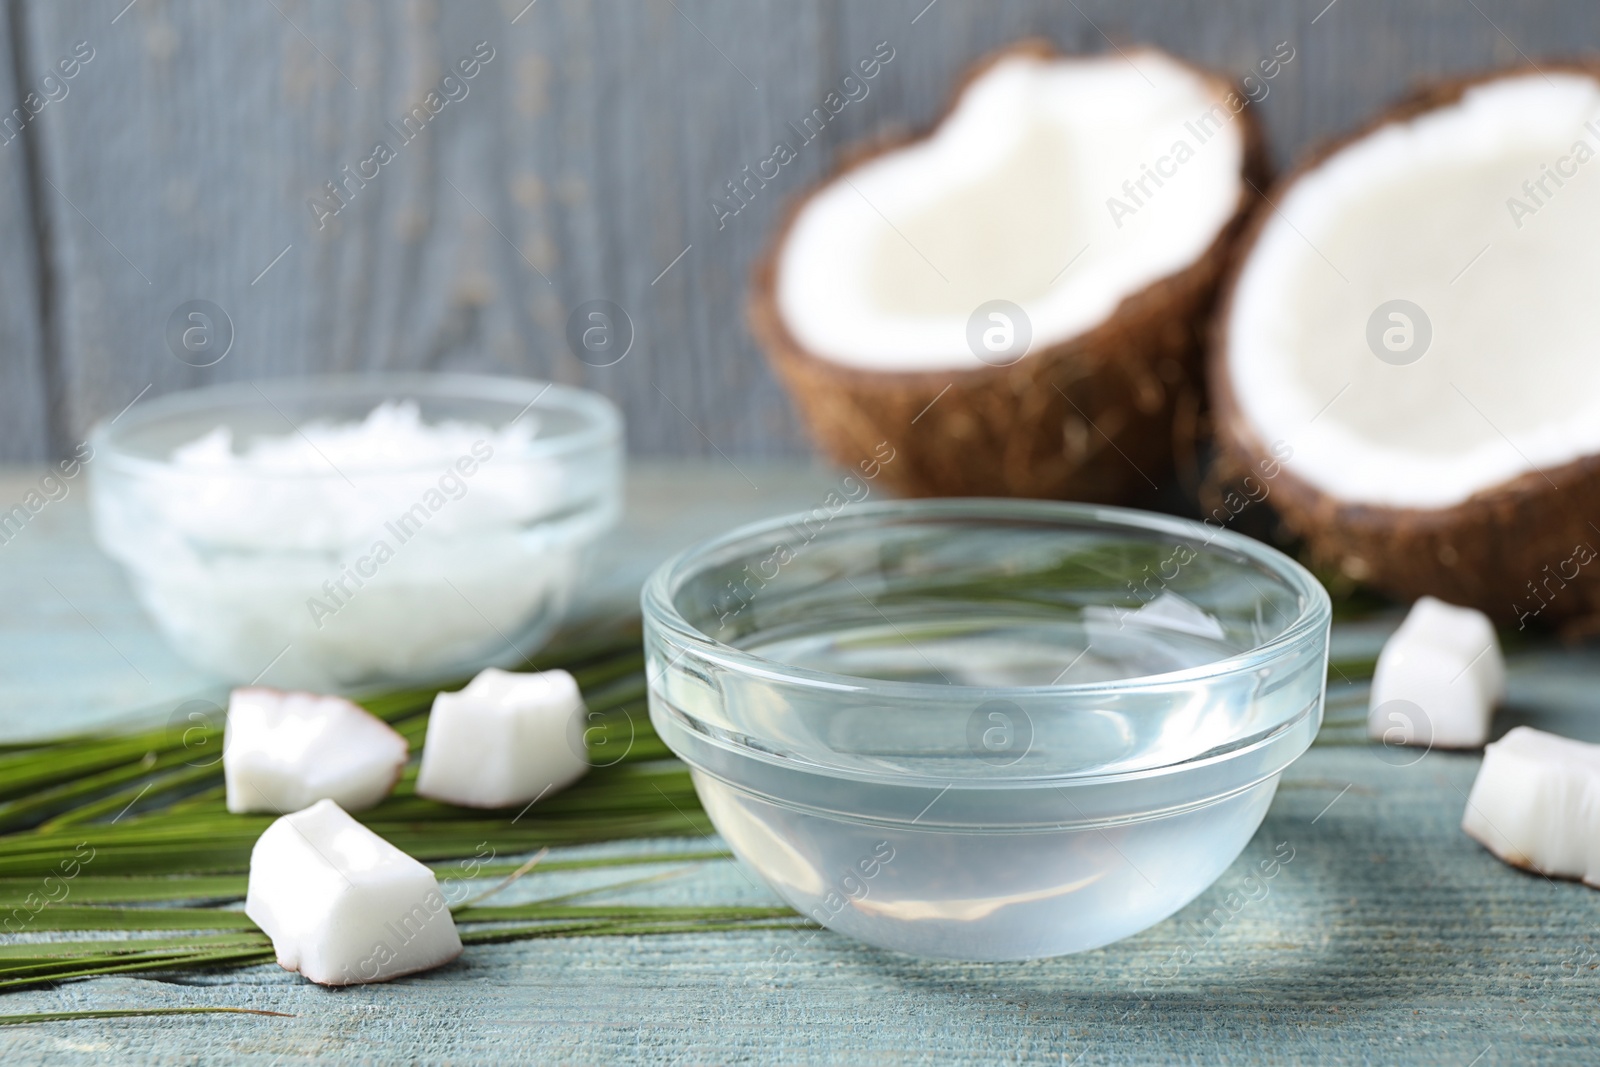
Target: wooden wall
x,y
580,164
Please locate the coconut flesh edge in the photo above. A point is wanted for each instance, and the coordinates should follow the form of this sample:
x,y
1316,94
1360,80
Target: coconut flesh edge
x,y
1434,211
1010,199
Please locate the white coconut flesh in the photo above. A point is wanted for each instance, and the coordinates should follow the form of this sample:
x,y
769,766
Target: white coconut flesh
x,y
1011,198
1485,214
1536,804
505,739
285,751
1438,679
342,905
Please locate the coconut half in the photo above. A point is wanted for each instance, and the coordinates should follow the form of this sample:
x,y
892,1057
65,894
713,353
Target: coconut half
x,y
1011,302
1411,325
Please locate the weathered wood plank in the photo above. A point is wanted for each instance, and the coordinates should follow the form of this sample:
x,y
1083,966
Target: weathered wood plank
x,y
1385,935
581,164
573,169
25,399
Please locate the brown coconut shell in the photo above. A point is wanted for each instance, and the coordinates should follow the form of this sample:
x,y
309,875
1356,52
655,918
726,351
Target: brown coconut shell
x,y
1508,551
1088,418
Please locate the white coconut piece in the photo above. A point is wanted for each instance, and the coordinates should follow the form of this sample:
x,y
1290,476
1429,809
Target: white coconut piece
x,y
1462,630
505,739
285,751
1041,187
342,905
1536,804
1438,679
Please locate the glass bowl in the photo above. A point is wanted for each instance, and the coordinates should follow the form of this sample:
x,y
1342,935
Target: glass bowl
x,y
985,729
350,562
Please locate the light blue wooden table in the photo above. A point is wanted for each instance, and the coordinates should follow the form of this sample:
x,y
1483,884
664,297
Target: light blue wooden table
x,y
1388,937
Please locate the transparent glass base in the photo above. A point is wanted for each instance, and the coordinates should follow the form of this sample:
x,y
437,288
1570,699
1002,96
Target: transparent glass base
x,y
976,895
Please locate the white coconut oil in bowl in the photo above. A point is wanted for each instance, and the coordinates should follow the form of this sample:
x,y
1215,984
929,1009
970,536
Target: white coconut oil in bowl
x,y
333,532
986,729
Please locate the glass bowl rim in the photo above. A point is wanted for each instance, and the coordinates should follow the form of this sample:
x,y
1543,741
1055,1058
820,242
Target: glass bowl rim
x,y
600,421
1315,615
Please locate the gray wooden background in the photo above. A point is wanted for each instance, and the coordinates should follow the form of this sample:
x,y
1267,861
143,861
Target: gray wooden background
x,y
580,166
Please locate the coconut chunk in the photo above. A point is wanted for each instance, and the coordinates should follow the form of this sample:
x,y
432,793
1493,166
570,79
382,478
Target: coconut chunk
x,y
285,751
1536,804
505,739
1438,679
342,905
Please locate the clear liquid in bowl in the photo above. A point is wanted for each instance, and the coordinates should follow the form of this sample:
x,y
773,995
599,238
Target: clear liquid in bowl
x,y
978,648
992,891
997,651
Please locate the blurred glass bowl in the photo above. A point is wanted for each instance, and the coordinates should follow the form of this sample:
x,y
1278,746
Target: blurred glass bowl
x,y
383,565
